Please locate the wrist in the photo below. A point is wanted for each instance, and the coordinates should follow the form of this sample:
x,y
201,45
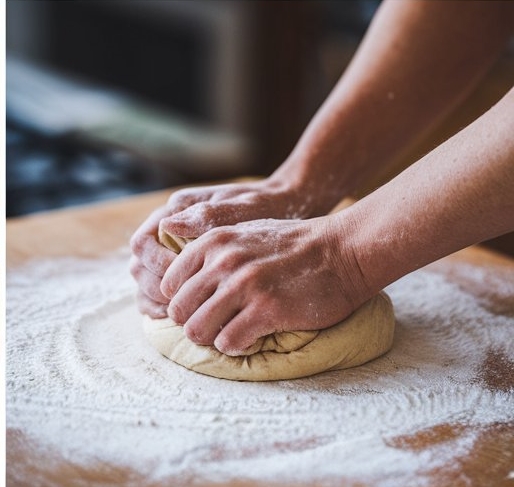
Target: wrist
x,y
310,189
386,240
341,234
289,197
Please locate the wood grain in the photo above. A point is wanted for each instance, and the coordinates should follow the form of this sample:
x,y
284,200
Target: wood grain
x,y
98,229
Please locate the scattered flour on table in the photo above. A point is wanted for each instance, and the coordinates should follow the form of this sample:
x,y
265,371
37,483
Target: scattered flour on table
x,y
82,380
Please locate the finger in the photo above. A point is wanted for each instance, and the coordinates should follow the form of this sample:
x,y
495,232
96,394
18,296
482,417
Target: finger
x,y
151,308
209,319
157,258
184,266
202,217
148,283
192,294
191,222
144,244
241,332
180,200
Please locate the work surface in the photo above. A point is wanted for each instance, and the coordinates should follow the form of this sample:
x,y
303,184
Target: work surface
x,y
90,403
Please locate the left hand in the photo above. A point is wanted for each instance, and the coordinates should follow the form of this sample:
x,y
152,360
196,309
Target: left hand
x,y
237,283
148,264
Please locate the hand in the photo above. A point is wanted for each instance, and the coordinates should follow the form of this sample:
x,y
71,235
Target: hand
x,y
194,211
191,212
235,284
149,262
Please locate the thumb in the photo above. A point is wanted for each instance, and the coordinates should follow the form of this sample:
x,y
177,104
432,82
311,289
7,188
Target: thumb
x,y
189,223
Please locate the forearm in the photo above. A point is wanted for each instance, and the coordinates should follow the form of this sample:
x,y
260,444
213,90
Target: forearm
x,y
417,61
459,194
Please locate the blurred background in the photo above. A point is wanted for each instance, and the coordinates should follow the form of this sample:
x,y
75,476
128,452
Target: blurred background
x,y
109,98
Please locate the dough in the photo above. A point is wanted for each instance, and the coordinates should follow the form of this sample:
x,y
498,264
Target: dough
x,y
173,242
363,336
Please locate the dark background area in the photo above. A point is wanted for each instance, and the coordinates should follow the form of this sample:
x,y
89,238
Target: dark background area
x,y
161,59
255,70
235,84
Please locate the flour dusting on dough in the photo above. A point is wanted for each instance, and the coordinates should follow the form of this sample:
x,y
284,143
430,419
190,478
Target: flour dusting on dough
x,y
82,380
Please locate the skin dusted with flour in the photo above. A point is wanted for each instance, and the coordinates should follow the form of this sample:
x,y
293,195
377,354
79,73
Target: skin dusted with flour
x,y
365,335
417,62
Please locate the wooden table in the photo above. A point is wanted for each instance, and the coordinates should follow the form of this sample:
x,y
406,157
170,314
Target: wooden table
x,y
95,230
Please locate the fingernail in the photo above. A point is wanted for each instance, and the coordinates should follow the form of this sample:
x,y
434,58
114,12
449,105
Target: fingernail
x,y
222,346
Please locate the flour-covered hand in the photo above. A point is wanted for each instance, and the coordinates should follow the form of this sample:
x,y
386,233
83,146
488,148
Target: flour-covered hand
x,y
235,284
194,211
148,263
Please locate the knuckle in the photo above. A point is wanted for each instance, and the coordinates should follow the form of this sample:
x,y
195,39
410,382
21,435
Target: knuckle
x,y
250,278
197,213
224,193
219,235
181,199
273,307
205,210
221,238
179,196
239,282
227,267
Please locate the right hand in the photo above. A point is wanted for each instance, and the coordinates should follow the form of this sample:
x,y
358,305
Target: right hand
x,y
237,283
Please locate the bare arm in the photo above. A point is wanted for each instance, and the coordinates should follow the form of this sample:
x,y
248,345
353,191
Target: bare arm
x,y
237,283
308,275
418,60
457,195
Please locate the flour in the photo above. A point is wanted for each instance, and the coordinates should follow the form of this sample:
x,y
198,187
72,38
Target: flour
x,y
82,381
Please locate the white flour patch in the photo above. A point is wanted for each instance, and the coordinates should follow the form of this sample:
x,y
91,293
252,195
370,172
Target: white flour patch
x,y
82,380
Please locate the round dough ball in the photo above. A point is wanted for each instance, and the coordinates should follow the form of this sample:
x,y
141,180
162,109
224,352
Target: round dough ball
x,y
364,335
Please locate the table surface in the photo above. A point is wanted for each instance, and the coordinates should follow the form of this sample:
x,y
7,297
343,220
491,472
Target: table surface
x,y
95,230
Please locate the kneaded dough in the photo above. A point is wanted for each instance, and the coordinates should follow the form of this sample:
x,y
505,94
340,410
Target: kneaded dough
x,y
173,242
365,335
